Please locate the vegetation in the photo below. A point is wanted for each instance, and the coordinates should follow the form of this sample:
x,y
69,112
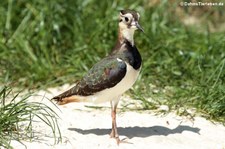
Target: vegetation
x,y
17,118
45,44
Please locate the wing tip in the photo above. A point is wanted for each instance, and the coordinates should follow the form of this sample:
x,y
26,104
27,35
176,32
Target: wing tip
x,y
61,101
57,99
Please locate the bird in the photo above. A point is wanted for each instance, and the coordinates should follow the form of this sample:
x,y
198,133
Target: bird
x,y
109,78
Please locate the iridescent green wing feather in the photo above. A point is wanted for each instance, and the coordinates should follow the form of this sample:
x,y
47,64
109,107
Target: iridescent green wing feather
x,y
105,74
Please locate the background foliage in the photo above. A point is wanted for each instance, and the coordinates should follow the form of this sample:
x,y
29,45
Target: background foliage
x,y
49,43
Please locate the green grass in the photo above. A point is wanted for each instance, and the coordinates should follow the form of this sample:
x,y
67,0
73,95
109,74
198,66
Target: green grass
x,y
17,118
45,44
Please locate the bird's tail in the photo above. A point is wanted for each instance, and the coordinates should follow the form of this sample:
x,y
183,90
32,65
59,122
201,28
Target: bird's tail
x,y
67,97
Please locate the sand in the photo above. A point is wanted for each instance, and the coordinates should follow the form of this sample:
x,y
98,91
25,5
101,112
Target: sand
x,y
84,128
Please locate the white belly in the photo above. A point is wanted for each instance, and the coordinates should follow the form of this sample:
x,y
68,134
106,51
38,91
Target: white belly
x,y
114,92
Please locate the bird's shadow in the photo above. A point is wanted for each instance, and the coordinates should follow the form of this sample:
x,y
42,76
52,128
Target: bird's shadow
x,y
137,131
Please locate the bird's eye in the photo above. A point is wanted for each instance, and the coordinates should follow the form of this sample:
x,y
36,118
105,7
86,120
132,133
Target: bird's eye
x,y
126,19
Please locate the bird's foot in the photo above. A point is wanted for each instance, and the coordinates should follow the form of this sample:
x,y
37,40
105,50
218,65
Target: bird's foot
x,y
118,141
124,140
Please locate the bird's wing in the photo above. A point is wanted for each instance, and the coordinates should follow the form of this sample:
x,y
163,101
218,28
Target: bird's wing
x,y
105,74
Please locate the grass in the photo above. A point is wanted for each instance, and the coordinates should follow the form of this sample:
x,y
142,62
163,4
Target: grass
x,y
45,44
17,118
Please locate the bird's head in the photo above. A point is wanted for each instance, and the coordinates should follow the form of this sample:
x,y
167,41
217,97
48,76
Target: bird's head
x,y
128,23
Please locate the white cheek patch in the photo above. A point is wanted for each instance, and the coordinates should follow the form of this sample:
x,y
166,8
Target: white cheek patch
x,y
133,23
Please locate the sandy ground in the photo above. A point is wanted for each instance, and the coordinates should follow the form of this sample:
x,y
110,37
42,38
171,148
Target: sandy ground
x,y
85,128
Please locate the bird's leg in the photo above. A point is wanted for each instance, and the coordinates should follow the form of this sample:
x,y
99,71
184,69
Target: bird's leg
x,y
113,115
114,133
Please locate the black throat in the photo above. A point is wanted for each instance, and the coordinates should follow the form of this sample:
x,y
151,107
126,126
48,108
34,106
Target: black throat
x,y
132,55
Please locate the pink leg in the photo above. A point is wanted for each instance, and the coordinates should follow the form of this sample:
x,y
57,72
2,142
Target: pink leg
x,y
114,133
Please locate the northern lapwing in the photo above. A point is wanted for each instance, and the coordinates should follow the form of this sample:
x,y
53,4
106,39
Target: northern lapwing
x,y
108,79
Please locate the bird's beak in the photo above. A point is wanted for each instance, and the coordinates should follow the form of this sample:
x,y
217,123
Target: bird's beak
x,y
139,26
